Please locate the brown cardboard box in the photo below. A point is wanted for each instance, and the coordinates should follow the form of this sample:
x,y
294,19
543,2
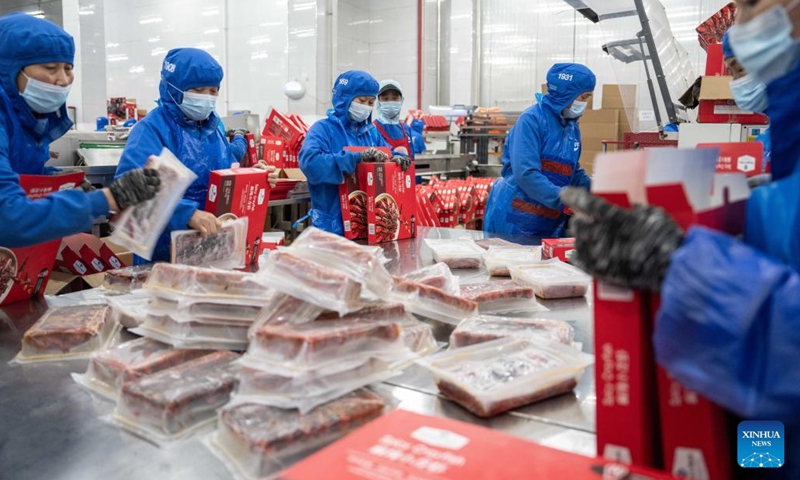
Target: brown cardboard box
x,y
121,252
619,97
601,116
292,174
718,106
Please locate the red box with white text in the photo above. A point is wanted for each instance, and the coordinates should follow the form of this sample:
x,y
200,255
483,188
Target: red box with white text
x,y
560,248
243,192
741,157
391,202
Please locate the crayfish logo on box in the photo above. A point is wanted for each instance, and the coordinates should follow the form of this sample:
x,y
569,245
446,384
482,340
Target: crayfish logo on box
x,y
760,444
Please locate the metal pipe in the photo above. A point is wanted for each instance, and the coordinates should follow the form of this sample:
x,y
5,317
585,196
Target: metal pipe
x,y
226,57
420,25
477,32
651,48
650,86
438,52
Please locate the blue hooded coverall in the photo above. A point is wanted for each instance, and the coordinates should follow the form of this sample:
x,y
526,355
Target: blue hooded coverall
x,y
729,324
201,146
25,140
323,159
539,159
395,129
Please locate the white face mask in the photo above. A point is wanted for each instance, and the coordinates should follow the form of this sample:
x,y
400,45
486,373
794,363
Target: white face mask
x,y
576,110
359,113
198,106
43,97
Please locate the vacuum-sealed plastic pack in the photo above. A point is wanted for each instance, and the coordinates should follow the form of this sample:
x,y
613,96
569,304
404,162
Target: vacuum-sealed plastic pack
x,y
177,282
129,309
313,344
283,308
431,302
501,296
110,369
485,328
493,377
363,264
128,278
189,334
222,312
418,337
171,404
499,259
458,253
139,227
310,282
68,332
226,249
553,279
307,390
488,243
438,276
259,441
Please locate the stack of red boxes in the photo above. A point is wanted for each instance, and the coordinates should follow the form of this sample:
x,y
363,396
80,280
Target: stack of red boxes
x,y
631,403
85,254
281,139
427,214
353,201
446,203
711,31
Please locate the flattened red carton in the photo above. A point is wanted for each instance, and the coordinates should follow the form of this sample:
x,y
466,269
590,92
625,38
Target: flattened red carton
x,y
70,261
560,248
711,31
715,61
251,155
244,192
353,200
280,125
742,157
86,247
627,415
407,446
24,272
273,151
391,202
446,203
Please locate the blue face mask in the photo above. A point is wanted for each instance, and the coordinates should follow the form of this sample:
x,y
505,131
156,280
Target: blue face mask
x,y
764,45
750,94
43,97
198,106
391,110
576,110
358,112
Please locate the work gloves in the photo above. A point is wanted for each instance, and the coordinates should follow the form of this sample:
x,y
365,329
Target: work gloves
x,y
87,186
134,187
630,248
403,161
239,131
372,154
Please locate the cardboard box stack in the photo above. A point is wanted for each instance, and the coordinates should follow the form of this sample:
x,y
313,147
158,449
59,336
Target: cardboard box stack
x,y
281,139
607,123
643,416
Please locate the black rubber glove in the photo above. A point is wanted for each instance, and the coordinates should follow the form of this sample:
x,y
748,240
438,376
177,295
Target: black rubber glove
x,y
403,161
135,187
631,248
239,131
87,186
372,154
759,180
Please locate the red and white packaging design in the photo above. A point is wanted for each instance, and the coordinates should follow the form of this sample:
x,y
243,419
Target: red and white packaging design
x,y
739,157
280,125
70,261
24,272
273,151
408,446
87,248
425,207
560,248
391,203
243,192
353,200
446,203
110,259
715,61
251,154
685,184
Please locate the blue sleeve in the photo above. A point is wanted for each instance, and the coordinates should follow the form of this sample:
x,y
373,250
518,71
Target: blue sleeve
x,y
146,140
48,170
237,148
28,222
319,163
729,326
527,164
417,141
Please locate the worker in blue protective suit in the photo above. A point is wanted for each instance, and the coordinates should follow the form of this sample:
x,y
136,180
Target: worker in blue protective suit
x,y
750,95
323,158
36,58
541,157
186,123
396,133
728,323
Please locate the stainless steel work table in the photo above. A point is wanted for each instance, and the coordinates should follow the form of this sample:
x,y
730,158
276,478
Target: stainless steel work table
x,y
50,428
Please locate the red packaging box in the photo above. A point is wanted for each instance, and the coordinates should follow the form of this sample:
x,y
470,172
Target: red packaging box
x,y
353,201
739,157
273,151
244,192
446,203
560,248
407,446
24,272
711,31
718,106
130,108
627,415
715,61
391,203
71,262
86,248
280,125
110,259
251,155
466,195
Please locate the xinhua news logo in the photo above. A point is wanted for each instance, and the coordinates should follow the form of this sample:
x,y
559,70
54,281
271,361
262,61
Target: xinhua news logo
x,y
760,444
